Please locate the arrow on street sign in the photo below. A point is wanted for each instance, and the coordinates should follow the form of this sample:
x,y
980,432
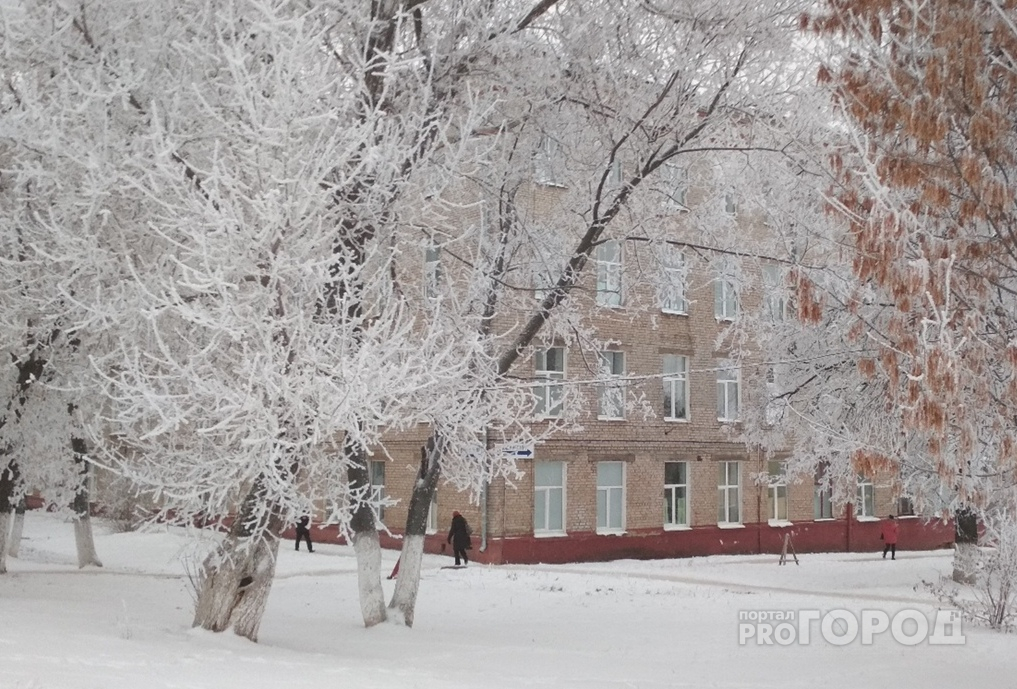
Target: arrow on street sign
x,y
517,450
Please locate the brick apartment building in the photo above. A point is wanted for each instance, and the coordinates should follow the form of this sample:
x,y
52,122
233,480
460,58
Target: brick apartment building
x,y
635,485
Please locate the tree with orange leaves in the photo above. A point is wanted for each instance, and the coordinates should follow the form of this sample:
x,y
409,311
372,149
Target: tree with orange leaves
x,y
928,93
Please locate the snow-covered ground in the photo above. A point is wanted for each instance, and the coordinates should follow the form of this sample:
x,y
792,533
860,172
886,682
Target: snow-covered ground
x,y
620,625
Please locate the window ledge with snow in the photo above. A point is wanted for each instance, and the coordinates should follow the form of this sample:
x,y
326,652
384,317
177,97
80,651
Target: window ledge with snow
x,y
730,525
867,519
677,527
550,534
780,523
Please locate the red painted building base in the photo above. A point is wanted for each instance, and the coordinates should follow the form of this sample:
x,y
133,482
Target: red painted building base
x,y
836,535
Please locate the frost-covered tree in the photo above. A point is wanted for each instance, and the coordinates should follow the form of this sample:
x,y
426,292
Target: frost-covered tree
x,y
927,92
223,200
233,189
899,362
40,382
607,113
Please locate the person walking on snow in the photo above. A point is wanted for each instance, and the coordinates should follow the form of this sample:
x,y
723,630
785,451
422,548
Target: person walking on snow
x,y
459,537
304,533
888,535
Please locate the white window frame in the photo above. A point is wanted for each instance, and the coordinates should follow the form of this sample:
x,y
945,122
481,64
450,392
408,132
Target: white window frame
x,y
432,271
432,514
544,494
609,494
547,164
672,499
671,290
377,469
822,502
774,293
609,273
730,201
729,495
549,395
611,392
777,498
675,381
865,509
725,298
676,177
614,174
905,507
543,284
728,393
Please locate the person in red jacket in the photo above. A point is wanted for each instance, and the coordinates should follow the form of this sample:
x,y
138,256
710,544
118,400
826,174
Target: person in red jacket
x,y
889,537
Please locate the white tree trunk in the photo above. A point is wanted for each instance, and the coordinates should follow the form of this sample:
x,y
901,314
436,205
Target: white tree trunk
x,y
404,598
367,547
965,561
5,531
19,528
84,542
233,586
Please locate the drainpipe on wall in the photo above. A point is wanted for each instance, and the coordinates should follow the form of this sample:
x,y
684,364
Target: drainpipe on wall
x,y
483,517
759,506
483,498
849,513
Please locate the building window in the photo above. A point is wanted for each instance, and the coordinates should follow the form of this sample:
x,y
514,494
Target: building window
x,y
676,186
614,174
378,489
612,391
730,203
822,497
609,273
905,507
550,366
776,495
610,497
432,271
676,494
729,493
432,514
673,276
543,283
676,388
549,165
775,402
725,298
727,394
548,497
774,294
866,502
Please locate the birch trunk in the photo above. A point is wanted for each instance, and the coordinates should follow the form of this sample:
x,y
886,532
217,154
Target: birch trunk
x,y
83,539
5,529
8,481
366,544
235,580
404,598
19,528
85,543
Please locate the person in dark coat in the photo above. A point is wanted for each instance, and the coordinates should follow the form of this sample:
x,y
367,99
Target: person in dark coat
x,y
888,533
459,537
304,533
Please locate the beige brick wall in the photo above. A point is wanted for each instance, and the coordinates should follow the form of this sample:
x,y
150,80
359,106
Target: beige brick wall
x,y
644,442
